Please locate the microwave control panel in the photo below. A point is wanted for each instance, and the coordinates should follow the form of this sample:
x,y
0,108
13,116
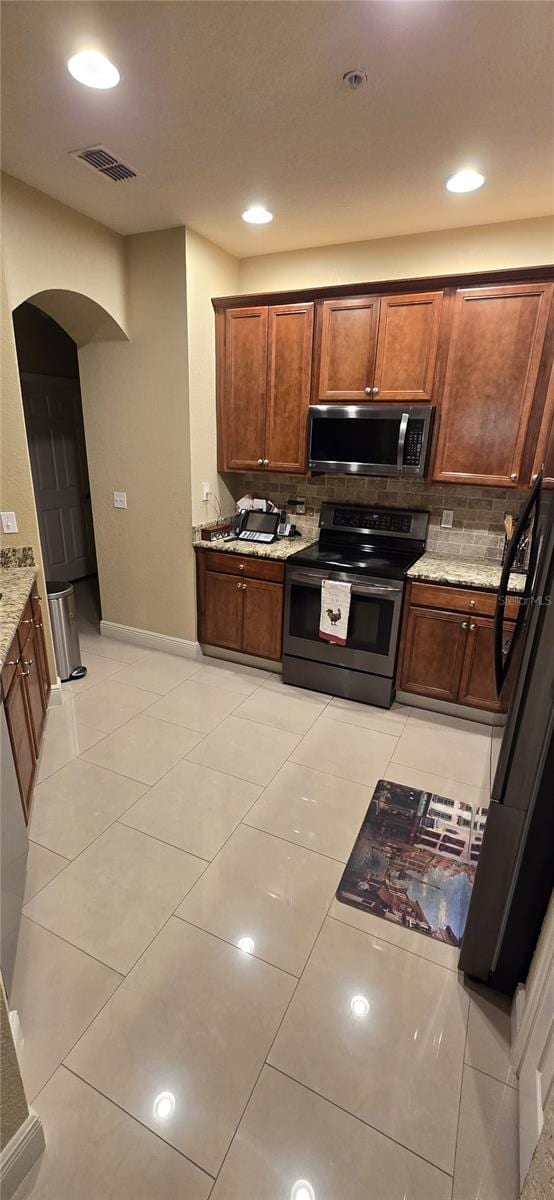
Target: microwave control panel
x,y
414,443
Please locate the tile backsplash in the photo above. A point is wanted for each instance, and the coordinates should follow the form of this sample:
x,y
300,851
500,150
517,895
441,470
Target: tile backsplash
x,y
477,531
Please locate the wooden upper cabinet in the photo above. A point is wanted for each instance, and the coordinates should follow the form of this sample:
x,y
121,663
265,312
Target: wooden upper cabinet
x,y
496,342
347,345
243,399
544,456
289,372
407,346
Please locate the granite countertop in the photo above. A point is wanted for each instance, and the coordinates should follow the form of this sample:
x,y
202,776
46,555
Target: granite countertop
x,y
15,585
281,549
467,572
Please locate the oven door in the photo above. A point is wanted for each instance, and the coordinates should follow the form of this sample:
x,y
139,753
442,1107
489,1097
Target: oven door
x,y
372,627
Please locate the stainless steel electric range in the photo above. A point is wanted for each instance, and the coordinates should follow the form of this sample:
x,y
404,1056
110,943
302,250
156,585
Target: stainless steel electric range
x,y
371,548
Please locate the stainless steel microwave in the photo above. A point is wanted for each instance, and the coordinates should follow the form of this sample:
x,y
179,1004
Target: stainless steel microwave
x,y
370,439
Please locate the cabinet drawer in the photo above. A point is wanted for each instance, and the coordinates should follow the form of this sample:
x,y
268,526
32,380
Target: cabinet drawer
x,y
249,567
25,625
457,599
10,666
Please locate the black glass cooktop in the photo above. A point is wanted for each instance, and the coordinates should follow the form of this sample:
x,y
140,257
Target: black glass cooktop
x,y
360,560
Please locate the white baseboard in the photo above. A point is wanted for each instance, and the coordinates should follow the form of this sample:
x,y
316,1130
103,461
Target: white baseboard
x,y
20,1154
151,640
56,693
444,706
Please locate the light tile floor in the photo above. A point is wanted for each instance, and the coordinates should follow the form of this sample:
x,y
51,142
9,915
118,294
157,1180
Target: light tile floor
x,y
184,973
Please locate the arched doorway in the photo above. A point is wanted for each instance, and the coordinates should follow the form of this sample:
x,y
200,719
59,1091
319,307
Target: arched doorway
x,y
50,328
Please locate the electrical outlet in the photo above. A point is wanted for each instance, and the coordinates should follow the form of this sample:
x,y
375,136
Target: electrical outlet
x,y
120,499
447,519
206,491
9,523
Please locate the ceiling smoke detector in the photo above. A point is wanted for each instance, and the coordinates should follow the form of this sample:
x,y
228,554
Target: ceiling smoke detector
x,y
98,158
354,79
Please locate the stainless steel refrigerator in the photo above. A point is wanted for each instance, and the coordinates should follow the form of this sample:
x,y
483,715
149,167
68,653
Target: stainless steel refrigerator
x,y
515,874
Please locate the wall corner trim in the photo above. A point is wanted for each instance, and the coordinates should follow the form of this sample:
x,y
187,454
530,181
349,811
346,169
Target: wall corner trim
x,y
151,640
20,1154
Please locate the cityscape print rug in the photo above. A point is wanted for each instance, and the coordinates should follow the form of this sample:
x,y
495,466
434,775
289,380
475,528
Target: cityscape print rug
x,y
414,860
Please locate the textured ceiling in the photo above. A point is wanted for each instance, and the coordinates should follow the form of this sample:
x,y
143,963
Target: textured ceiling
x,y
222,105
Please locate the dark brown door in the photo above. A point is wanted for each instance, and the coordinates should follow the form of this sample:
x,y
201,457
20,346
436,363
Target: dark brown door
x,y
347,343
434,644
221,616
407,346
244,397
477,682
21,737
495,349
263,618
31,671
290,333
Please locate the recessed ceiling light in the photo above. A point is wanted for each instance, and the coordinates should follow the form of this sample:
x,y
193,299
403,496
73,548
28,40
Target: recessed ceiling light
x,y
257,215
93,69
467,180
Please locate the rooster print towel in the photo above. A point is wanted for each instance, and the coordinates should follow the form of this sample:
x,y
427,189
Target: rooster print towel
x,y
335,610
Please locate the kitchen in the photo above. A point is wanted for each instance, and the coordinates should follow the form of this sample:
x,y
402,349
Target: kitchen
x,y
275,872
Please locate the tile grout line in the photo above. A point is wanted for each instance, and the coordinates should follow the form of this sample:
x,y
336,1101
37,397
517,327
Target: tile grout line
x,y
500,1082
349,1113
460,1093
395,946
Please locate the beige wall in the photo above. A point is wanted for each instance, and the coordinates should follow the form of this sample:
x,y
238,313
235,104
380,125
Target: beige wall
x,y
135,404
477,248
47,245
210,272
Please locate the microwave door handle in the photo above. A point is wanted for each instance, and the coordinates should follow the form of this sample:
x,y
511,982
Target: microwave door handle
x,y
401,440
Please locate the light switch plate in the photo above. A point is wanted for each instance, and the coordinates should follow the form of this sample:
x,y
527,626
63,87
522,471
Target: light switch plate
x,y
120,499
447,518
9,523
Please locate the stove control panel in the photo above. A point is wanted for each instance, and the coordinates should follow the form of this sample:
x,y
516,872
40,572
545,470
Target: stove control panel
x,y
382,520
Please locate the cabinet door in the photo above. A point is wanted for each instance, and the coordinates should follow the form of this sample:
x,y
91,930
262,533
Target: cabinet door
x,y
290,334
221,615
36,698
40,650
262,629
495,349
242,413
407,346
477,683
544,456
21,737
434,643
347,344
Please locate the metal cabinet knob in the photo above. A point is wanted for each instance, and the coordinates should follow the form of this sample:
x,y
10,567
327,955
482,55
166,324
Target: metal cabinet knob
x,y
239,585
38,624
472,604
37,597
27,621
28,662
514,476
375,391
266,462
241,566
23,673
12,662
465,624
260,462
473,625
368,391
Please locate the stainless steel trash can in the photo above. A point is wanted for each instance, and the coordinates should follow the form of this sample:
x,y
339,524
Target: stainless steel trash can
x,y
63,618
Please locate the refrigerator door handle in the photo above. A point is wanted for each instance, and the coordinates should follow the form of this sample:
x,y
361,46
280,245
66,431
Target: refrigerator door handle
x,y
503,657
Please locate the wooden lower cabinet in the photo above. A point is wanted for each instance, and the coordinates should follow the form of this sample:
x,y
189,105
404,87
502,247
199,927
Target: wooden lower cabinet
x,y
25,692
236,610
262,618
433,653
448,655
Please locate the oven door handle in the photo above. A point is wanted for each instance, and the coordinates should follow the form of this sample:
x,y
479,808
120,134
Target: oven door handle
x,y
358,589
401,440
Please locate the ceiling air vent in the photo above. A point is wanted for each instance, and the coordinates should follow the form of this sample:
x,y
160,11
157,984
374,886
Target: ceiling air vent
x,y
102,160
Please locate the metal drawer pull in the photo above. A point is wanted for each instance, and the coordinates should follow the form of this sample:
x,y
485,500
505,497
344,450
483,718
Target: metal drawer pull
x,y
27,621
241,566
12,662
243,586
472,604
28,662
38,624
23,673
